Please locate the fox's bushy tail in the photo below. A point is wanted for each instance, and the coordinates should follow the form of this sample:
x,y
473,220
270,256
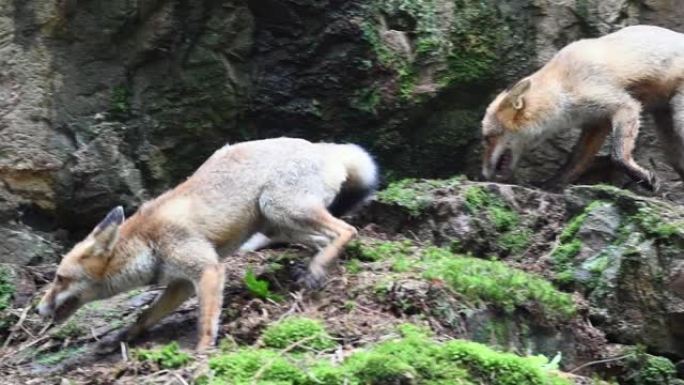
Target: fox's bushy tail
x,y
362,178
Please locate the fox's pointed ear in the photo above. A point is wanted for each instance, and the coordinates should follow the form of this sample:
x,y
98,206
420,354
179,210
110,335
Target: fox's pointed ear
x,y
106,233
516,96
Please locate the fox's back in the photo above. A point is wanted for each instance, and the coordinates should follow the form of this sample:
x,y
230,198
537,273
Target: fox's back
x,y
629,56
225,190
254,162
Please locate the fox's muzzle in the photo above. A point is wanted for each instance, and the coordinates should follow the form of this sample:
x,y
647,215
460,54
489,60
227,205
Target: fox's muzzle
x,y
47,304
58,304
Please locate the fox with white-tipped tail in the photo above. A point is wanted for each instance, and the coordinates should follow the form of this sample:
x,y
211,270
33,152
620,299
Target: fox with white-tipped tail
x,y
283,188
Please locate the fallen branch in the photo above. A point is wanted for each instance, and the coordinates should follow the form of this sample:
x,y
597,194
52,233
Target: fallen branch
x,y
179,378
23,347
124,351
603,361
17,326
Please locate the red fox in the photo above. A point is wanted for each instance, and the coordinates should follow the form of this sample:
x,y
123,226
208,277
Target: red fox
x,y
602,85
281,187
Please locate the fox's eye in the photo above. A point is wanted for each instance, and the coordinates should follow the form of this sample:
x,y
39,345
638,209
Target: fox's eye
x,y
60,279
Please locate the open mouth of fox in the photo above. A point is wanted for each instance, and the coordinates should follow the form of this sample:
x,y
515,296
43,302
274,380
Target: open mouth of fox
x,y
503,165
66,309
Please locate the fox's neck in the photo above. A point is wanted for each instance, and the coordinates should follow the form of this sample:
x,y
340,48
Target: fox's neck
x,y
553,109
133,264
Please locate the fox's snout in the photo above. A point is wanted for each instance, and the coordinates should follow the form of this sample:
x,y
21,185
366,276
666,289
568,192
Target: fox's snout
x,y
46,306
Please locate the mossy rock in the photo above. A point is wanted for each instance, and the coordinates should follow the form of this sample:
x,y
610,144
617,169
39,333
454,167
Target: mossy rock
x,y
481,218
626,256
297,333
413,357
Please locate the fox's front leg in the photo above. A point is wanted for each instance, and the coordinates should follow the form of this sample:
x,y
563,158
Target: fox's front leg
x,y
625,131
174,295
210,292
197,259
588,145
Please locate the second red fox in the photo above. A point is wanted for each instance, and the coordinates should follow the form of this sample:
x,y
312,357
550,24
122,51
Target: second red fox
x,y
602,85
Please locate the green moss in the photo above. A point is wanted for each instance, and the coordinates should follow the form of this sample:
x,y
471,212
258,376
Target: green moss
x,y
6,288
503,218
309,333
569,246
259,287
651,370
120,100
402,264
595,267
495,283
468,45
655,224
412,358
476,198
73,328
476,33
515,241
414,194
367,100
324,372
402,194
398,253
563,260
168,356
373,251
506,221
353,266
486,365
573,226
242,367
54,358
378,368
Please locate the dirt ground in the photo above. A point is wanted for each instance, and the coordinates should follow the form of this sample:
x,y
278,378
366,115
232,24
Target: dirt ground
x,y
87,348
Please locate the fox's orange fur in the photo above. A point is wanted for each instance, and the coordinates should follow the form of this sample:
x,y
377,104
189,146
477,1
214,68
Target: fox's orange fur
x,y
279,187
601,85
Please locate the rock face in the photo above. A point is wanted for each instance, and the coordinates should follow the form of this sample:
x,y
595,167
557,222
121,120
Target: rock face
x,y
622,252
103,102
629,266
108,102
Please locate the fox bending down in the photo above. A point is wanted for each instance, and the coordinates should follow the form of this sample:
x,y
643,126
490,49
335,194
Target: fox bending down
x,y
602,85
283,188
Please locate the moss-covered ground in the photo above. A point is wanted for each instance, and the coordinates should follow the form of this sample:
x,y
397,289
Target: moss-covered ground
x,y
411,356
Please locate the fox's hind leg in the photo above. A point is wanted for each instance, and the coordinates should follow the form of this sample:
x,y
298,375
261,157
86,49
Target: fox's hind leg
x,y
669,139
675,142
341,233
626,124
305,219
583,153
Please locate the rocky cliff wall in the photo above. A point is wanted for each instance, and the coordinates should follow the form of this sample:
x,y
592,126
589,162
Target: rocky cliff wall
x,y
109,102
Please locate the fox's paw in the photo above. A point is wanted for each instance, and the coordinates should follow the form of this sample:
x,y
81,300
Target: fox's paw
x,y
308,278
130,334
312,281
655,183
651,182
